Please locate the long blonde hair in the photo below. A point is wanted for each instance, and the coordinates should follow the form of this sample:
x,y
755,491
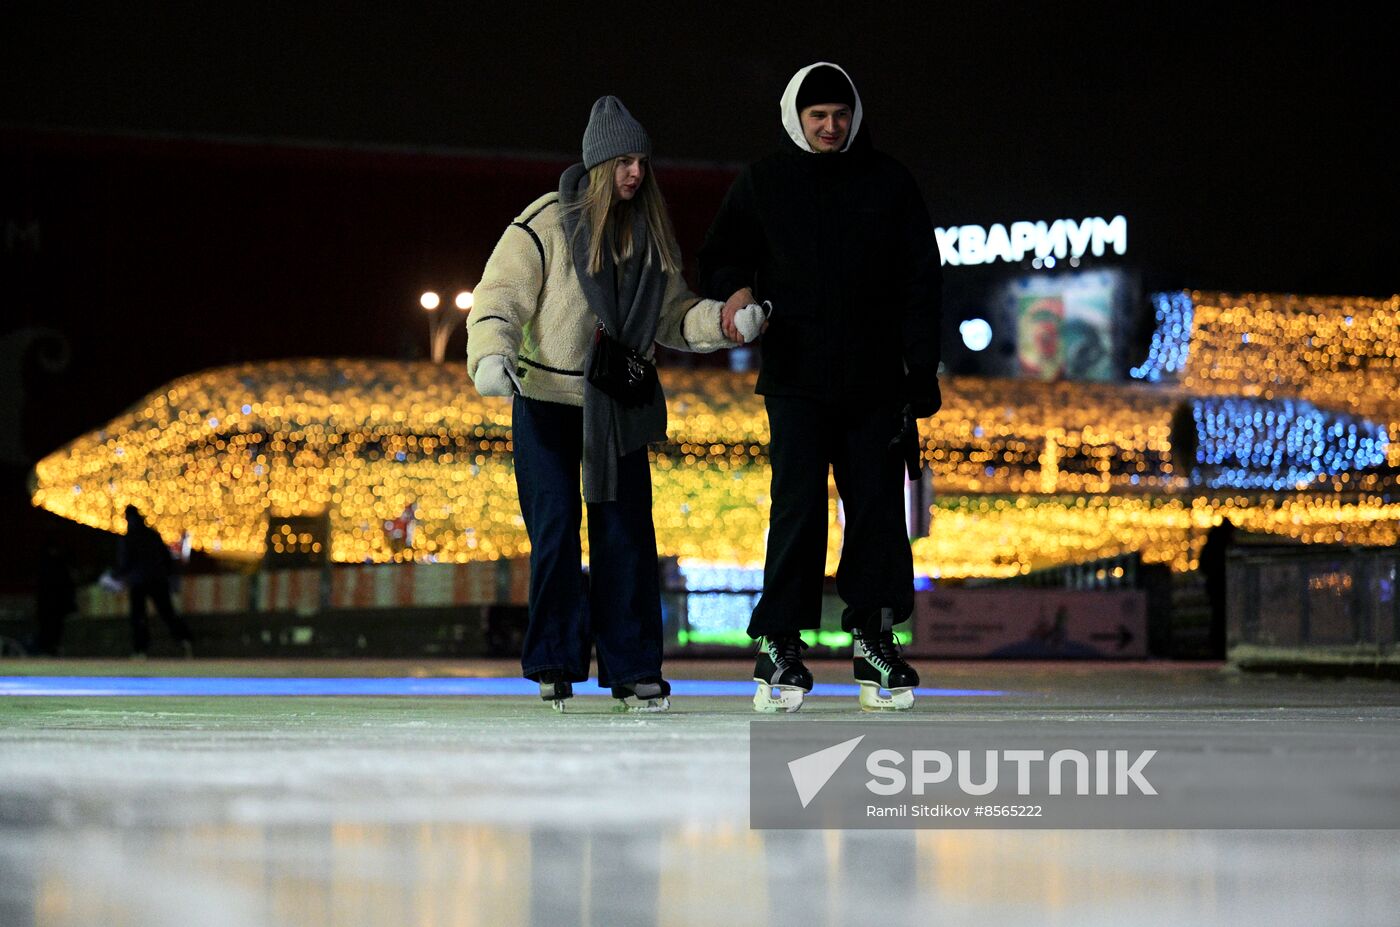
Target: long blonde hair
x,y
608,219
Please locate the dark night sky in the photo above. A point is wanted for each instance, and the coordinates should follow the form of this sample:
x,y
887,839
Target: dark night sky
x,y
1248,151
1245,148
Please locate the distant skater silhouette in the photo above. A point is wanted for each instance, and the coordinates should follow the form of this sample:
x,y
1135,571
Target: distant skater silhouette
x,y
1219,539
55,599
145,565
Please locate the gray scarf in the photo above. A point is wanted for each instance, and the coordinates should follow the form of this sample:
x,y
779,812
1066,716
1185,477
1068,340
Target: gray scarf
x,y
628,303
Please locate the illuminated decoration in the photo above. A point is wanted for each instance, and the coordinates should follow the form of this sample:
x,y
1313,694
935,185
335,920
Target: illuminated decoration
x,y
735,636
1003,536
399,531
1171,340
976,334
1338,352
1027,474
1046,241
300,540
219,452
721,599
1278,444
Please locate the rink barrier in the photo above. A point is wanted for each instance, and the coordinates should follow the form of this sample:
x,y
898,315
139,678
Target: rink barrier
x,y
307,591
1326,610
1030,623
214,595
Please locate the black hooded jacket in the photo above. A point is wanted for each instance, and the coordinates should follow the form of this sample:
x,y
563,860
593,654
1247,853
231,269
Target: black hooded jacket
x,y
842,246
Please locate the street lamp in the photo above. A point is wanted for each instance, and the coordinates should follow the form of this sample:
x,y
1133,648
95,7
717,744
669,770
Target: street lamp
x,y
440,324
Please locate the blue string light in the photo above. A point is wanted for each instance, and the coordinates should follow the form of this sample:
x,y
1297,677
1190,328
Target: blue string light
x,y
1279,444
730,600
1171,341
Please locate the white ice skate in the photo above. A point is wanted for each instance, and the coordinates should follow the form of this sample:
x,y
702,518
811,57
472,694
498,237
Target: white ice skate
x,y
874,698
772,699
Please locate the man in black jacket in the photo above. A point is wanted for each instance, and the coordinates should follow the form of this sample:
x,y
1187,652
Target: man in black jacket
x,y
834,235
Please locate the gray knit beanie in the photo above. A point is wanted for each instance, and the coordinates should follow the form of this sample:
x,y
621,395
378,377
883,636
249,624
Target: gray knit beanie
x,y
612,132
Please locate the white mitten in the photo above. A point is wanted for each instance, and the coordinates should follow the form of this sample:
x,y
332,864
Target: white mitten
x,y
749,321
493,376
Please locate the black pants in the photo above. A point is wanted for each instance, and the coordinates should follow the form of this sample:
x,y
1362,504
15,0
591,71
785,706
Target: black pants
x,y
810,438
158,591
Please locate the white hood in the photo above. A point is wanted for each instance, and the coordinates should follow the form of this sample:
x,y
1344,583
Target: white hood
x,y
793,122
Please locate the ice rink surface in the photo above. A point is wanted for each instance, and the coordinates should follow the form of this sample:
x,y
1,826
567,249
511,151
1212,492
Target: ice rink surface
x,y
442,809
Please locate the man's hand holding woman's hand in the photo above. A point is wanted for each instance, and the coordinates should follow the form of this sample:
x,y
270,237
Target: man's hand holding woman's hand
x,y
732,305
741,319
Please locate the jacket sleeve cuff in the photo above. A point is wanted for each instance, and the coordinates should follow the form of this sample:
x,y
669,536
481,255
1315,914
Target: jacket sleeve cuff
x,y
702,330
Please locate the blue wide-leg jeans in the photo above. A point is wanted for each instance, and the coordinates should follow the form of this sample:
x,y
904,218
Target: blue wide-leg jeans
x,y
619,606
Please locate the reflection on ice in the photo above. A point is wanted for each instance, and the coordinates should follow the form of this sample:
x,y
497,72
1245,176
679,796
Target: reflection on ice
x,y
455,875
452,811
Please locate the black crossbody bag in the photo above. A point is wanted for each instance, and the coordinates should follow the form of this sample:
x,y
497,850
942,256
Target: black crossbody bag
x,y
622,373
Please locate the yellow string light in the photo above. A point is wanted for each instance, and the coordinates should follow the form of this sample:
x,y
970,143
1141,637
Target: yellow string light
x,y
1339,352
1028,474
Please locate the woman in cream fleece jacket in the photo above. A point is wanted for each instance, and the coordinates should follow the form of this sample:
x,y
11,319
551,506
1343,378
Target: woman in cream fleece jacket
x,y
529,310
598,253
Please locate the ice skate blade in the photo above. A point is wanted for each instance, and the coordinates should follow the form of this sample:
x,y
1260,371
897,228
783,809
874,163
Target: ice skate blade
x,y
871,699
648,705
557,704
772,699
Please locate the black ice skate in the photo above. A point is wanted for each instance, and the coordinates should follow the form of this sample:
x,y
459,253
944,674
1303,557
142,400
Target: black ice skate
x,y
555,689
781,677
643,695
886,681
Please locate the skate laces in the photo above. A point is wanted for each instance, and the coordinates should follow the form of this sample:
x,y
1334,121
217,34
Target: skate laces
x,y
880,648
786,651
